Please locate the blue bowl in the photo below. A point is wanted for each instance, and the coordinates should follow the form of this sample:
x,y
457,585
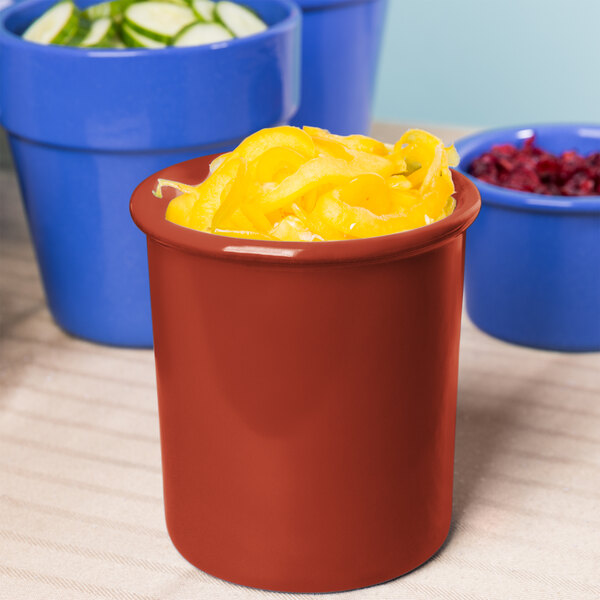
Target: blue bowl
x,y
86,126
340,50
533,261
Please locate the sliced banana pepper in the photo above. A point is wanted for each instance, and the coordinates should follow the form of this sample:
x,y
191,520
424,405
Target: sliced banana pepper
x,y
292,184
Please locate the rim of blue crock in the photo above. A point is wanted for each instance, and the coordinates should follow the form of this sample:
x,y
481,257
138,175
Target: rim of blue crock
x,y
13,39
148,213
474,145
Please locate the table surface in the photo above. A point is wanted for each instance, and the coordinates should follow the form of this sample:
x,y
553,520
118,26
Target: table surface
x,y
81,512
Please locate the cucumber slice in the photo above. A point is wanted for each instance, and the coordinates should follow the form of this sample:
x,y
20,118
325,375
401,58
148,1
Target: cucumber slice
x,y
204,10
160,21
100,34
56,26
113,9
200,34
133,39
82,31
116,43
241,21
102,10
176,2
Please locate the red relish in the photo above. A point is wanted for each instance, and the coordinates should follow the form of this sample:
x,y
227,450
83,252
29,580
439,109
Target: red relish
x,y
531,169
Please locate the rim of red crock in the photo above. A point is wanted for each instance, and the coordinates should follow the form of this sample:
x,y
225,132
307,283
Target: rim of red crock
x,y
148,213
477,143
9,38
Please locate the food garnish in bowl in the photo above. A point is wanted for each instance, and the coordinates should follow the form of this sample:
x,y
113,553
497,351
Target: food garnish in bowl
x,y
146,24
292,184
531,169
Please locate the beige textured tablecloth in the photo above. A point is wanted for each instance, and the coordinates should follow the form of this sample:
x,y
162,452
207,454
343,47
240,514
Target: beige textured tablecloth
x,y
80,485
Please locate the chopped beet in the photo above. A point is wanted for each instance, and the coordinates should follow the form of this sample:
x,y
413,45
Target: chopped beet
x,y
531,169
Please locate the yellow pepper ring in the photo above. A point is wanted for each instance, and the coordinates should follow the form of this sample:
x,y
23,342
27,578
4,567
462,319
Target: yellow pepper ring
x,y
277,163
290,184
369,190
233,197
261,141
315,173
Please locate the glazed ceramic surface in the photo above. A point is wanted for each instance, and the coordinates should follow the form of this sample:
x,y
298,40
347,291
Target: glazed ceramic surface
x,y
533,261
340,50
85,126
307,396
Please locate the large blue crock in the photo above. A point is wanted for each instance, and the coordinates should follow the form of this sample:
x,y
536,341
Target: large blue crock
x,y
86,126
533,261
340,51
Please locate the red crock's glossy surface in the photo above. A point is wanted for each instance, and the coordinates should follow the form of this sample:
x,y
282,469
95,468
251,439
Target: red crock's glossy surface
x,y
307,396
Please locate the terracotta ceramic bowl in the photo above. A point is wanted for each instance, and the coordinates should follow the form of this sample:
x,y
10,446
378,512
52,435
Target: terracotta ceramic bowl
x,y
307,396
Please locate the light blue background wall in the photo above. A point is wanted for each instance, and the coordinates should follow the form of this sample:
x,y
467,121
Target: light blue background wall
x,y
490,62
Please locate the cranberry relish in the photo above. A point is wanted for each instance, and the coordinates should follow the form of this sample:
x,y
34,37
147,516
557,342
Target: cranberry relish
x,y
531,169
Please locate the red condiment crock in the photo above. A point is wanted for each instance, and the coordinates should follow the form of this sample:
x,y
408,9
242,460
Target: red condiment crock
x,y
307,395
